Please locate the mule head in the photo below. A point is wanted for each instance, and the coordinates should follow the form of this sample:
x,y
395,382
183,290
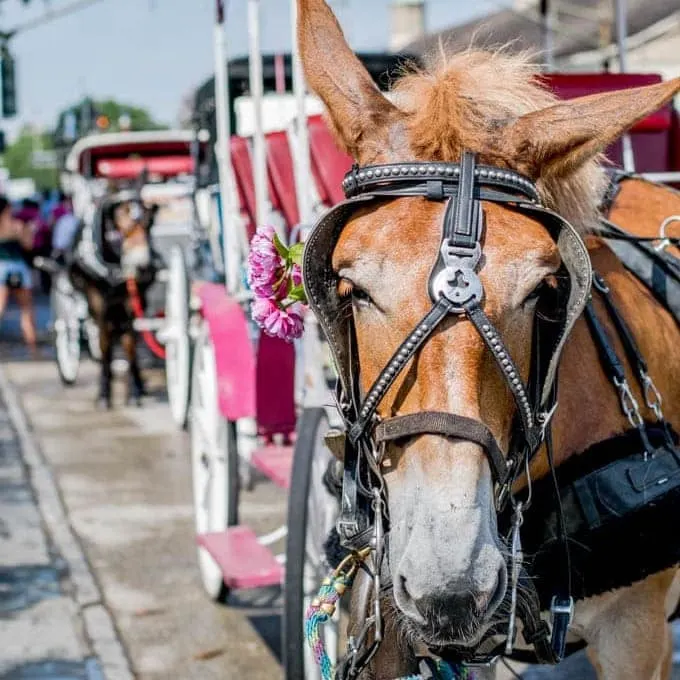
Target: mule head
x,y
130,219
446,559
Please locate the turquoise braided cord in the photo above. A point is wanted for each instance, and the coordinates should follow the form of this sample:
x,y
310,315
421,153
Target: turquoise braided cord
x,y
319,612
322,610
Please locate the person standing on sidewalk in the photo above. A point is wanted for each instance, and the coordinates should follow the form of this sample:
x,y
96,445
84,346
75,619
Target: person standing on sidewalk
x,y
16,239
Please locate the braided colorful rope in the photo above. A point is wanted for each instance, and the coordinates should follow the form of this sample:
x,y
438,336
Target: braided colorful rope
x,y
323,608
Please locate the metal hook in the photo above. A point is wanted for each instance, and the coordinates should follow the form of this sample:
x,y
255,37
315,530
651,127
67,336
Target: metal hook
x,y
516,564
665,241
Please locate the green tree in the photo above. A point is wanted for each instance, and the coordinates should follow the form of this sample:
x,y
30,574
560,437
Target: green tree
x,y
87,111
19,158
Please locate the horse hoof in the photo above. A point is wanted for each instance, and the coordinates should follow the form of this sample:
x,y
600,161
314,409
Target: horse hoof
x,y
104,404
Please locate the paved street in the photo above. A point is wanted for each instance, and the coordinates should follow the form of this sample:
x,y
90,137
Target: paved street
x,y
98,576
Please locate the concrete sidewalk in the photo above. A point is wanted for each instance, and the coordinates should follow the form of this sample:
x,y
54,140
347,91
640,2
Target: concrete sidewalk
x,y
40,630
44,629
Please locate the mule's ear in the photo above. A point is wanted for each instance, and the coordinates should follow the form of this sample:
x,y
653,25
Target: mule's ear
x,y
359,112
558,139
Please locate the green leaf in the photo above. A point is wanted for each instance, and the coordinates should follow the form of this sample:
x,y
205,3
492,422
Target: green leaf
x,y
280,248
295,253
297,294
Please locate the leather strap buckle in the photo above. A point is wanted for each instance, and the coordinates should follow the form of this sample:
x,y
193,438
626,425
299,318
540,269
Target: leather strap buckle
x,y
561,614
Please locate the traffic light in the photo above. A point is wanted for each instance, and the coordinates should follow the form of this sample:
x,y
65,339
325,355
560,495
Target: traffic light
x,y
87,117
9,92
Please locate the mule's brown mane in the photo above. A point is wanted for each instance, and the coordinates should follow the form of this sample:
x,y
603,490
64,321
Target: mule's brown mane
x,y
465,100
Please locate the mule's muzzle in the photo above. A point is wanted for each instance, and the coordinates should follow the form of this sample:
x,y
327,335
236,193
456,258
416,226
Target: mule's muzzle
x,y
450,616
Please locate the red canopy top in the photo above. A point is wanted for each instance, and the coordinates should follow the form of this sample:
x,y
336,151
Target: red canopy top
x,y
130,168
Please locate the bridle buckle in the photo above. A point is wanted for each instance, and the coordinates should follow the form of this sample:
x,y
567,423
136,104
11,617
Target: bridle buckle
x,y
458,281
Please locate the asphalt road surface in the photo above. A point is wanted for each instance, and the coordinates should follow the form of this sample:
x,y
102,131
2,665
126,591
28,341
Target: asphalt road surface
x,y
98,574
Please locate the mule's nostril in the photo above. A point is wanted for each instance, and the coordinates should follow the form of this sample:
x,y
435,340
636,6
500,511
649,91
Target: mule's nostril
x,y
498,593
403,590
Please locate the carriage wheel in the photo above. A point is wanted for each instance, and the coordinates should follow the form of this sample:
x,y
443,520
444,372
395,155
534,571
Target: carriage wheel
x,y
66,329
214,461
178,345
312,512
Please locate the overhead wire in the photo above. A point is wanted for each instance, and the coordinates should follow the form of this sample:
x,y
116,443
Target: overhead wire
x,y
50,16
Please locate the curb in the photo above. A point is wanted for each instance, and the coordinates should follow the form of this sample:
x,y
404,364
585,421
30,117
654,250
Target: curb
x,y
97,620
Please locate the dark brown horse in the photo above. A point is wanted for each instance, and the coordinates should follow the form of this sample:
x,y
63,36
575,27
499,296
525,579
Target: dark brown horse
x,y
448,566
120,251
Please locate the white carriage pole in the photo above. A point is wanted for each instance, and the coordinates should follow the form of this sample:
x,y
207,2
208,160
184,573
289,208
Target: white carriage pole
x,y
230,242
310,387
621,10
257,94
302,163
548,34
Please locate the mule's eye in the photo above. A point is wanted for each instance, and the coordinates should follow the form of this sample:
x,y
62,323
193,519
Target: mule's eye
x,y
549,283
535,294
347,288
361,297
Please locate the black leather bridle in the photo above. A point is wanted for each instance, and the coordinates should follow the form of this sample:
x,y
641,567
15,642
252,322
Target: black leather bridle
x,y
455,288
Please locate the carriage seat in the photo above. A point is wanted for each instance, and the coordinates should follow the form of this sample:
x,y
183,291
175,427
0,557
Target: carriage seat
x,y
282,177
245,184
651,137
329,164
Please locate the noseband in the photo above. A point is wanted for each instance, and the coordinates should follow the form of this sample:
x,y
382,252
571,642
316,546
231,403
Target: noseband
x,y
456,290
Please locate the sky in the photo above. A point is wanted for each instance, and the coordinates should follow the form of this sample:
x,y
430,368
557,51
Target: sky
x,y
152,53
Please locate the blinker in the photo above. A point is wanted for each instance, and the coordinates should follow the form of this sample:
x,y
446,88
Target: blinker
x,y
335,441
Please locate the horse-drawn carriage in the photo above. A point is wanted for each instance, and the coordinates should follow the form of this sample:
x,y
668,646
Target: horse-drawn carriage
x,y
150,173
255,402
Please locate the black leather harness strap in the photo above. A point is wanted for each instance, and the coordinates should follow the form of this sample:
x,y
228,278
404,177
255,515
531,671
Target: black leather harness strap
x,y
507,366
612,365
630,346
463,219
395,365
447,425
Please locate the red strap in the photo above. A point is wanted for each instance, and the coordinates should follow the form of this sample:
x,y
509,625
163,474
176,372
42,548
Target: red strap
x,y
138,311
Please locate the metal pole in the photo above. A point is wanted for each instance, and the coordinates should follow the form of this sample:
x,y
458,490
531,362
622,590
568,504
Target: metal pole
x,y
621,10
230,241
548,35
302,163
257,94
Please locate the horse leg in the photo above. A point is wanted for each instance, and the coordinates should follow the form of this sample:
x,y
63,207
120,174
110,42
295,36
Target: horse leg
x,y
137,382
627,631
106,347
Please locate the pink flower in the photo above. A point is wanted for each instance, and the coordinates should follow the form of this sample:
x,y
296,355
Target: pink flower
x,y
286,324
262,245
265,265
262,309
296,275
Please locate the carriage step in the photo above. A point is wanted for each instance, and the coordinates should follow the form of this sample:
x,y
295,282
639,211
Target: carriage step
x,y
244,561
276,462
